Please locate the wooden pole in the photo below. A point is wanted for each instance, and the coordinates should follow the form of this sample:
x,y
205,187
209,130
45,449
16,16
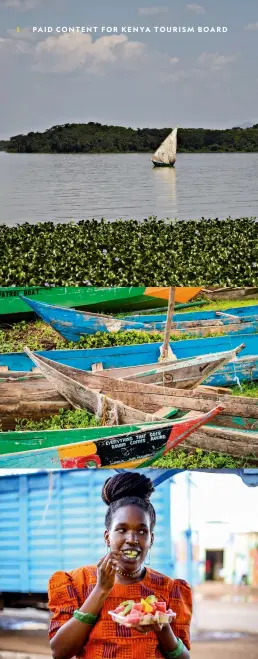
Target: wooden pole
x,y
171,306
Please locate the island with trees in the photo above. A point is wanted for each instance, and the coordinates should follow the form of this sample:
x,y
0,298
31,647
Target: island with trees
x,y
98,138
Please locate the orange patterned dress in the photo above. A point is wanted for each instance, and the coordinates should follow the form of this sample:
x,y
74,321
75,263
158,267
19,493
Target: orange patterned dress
x,y
108,640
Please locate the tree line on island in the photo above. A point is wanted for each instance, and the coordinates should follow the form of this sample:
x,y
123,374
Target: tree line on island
x,y
97,138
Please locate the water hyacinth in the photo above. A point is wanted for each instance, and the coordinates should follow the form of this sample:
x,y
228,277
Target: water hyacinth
x,y
131,253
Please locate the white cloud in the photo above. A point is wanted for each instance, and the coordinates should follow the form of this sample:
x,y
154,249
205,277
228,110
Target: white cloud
x,y
252,26
22,5
77,51
215,61
198,9
152,11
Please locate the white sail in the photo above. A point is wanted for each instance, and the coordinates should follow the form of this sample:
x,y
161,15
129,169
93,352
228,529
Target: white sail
x,y
166,153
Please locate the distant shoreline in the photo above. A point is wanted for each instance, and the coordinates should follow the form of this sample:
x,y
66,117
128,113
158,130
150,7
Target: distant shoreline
x,y
97,138
120,153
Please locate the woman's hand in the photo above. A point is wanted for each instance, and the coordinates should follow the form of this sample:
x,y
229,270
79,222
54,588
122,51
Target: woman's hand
x,y
145,629
106,571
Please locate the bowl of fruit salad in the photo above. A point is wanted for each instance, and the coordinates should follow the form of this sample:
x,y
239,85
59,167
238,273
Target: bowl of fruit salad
x,y
146,612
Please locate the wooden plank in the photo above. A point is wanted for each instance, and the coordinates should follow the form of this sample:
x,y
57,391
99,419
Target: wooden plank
x,y
170,312
223,442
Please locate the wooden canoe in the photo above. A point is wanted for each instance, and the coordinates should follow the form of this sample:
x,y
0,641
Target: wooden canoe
x,y
31,396
27,396
180,374
120,446
144,354
225,316
112,300
230,293
75,386
72,324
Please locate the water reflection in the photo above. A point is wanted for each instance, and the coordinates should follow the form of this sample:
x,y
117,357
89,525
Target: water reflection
x,y
165,188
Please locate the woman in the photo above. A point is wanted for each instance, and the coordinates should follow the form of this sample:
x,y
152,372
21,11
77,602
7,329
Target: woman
x,y
80,600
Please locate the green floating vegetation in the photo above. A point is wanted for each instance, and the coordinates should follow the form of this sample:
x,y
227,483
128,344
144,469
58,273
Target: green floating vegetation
x,y
198,458
39,336
249,389
99,138
131,253
64,419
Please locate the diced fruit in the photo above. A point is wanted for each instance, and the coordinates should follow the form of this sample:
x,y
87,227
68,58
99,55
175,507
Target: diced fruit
x,y
133,619
119,608
161,606
147,608
145,612
150,599
127,609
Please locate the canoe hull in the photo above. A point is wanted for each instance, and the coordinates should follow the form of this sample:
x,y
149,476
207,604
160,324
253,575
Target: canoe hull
x,y
127,449
248,312
230,293
72,324
111,300
243,369
163,164
79,447
29,398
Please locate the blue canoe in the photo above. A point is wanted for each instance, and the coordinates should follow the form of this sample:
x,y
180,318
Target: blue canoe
x,y
248,312
72,324
244,368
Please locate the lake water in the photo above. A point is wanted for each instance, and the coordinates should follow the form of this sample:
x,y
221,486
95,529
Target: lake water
x,y
62,187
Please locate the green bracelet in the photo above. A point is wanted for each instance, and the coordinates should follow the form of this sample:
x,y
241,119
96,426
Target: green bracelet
x,y
87,618
176,653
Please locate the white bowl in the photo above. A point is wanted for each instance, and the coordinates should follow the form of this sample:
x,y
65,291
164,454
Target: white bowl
x,y
159,617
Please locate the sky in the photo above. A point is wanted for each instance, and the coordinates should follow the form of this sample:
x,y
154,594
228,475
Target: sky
x,y
149,78
222,498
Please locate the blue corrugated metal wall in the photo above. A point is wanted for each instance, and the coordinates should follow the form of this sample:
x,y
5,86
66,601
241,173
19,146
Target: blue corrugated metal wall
x,y
48,525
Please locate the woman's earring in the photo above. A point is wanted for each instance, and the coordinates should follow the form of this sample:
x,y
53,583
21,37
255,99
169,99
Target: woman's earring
x,y
147,562
108,546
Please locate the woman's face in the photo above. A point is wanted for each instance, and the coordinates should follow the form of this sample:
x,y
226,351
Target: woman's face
x,y
131,535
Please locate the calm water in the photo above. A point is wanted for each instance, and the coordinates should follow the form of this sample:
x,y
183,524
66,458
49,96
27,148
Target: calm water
x,y
37,188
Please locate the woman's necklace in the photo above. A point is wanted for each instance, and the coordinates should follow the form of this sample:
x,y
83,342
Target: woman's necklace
x,y
131,575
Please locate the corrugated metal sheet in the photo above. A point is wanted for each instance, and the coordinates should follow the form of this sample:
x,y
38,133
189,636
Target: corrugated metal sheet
x,y
55,521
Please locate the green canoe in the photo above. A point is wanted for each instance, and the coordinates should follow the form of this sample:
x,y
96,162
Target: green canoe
x,y
91,298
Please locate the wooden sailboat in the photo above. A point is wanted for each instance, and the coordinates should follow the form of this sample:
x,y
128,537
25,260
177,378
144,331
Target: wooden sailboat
x,y
165,155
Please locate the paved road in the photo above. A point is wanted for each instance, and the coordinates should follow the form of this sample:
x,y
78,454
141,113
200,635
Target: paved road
x,y
217,631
